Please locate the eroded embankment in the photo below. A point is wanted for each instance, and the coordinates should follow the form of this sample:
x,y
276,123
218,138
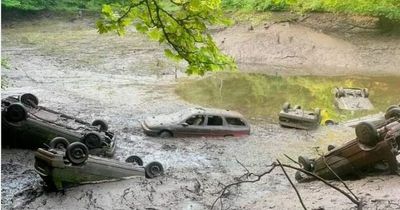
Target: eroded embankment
x,y
315,44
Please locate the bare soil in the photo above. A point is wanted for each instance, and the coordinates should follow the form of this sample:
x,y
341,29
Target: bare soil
x,y
316,44
124,80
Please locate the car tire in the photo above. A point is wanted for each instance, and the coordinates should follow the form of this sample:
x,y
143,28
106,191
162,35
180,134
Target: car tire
x,y
330,147
77,153
299,177
391,107
59,143
305,163
367,134
393,112
329,122
365,93
92,140
135,160
317,111
154,169
16,113
286,107
29,99
297,107
103,125
165,134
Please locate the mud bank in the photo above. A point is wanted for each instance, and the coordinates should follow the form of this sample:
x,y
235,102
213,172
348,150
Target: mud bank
x,y
316,44
74,70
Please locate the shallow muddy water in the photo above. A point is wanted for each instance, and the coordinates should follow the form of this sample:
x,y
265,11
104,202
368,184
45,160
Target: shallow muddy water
x,y
261,96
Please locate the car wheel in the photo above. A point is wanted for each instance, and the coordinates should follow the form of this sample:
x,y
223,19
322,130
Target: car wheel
x,y
92,140
329,122
59,143
367,134
103,125
77,153
305,163
286,107
331,147
365,93
135,160
317,111
154,169
16,113
391,107
299,177
341,92
393,112
165,134
297,107
29,99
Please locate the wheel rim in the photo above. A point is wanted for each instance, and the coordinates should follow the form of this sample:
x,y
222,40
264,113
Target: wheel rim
x,y
92,140
155,170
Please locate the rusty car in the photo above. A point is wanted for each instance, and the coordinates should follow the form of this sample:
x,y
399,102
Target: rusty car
x,y
374,145
351,98
62,168
297,117
26,124
197,122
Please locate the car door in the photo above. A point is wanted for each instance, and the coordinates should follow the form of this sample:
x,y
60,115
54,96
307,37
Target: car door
x,y
215,126
192,126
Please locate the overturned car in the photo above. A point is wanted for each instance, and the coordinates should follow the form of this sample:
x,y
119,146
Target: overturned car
x,y
26,124
296,117
376,146
352,98
61,168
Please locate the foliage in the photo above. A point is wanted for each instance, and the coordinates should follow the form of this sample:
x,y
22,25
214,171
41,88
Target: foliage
x,y
389,9
182,24
63,5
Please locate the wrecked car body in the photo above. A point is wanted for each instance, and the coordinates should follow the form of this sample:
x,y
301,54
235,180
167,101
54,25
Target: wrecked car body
x,y
60,169
352,98
197,122
296,117
375,145
26,124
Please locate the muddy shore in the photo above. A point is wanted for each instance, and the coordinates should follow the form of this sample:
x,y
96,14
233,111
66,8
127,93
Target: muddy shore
x,y
124,80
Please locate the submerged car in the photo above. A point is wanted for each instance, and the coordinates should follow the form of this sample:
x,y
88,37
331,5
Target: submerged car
x,y
26,124
374,145
352,98
296,117
66,168
197,122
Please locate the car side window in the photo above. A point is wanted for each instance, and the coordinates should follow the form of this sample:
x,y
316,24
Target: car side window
x,y
235,121
195,120
214,121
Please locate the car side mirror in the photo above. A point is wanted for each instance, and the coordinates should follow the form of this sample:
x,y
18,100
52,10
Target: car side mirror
x,y
185,124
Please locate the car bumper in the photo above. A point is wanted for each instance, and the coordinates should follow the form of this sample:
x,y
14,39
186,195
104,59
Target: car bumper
x,y
149,131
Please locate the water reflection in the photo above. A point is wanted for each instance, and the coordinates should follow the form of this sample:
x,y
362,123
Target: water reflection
x,y
260,96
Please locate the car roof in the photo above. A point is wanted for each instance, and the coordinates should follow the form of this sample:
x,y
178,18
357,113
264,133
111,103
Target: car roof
x,y
213,111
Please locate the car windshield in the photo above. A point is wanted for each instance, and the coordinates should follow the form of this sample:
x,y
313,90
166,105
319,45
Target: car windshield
x,y
180,115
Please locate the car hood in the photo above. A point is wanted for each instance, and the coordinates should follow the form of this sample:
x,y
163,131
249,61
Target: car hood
x,y
161,120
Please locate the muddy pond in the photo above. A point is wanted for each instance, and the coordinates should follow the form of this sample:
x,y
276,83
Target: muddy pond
x,y
261,96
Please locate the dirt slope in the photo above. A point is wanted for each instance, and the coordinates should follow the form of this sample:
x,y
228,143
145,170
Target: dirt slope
x,y
321,44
